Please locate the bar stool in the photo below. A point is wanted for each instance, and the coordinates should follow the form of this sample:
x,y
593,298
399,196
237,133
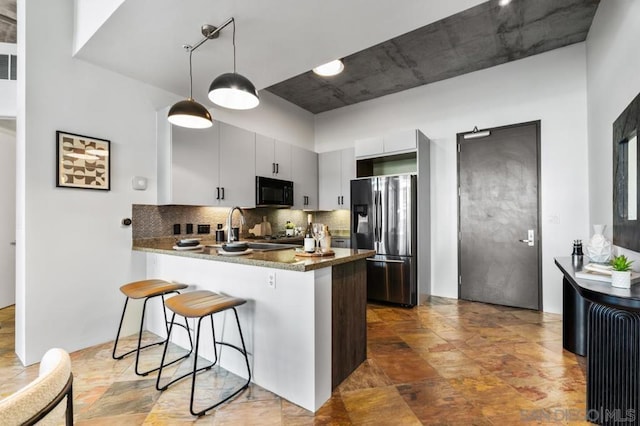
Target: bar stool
x,y
200,304
148,289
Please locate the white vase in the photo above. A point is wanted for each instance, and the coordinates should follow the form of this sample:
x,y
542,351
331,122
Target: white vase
x,y
621,279
599,249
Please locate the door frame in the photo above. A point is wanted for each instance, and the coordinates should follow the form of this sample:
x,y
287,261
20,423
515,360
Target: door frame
x,y
459,136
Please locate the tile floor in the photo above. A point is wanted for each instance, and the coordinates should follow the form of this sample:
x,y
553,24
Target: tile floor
x,y
448,362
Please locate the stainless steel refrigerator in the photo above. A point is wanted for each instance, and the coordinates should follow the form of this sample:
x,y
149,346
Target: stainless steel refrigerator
x,y
383,214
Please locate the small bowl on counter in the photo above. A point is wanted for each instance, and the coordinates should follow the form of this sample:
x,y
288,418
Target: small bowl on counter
x,y
235,247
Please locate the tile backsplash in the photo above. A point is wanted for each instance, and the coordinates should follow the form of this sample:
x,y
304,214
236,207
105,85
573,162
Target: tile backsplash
x,y
150,221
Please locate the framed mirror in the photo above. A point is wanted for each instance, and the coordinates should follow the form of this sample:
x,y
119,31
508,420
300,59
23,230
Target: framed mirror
x,y
626,223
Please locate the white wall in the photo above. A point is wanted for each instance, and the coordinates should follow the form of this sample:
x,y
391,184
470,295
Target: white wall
x,y
274,117
550,87
73,254
8,88
8,214
613,81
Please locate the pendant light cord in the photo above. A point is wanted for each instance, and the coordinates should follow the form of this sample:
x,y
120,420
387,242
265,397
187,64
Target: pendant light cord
x,y
233,40
190,75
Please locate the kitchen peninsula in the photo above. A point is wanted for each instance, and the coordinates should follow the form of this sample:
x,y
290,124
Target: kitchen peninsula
x,y
305,320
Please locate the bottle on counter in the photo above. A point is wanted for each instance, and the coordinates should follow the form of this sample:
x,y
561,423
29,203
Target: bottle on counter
x,y
309,241
325,243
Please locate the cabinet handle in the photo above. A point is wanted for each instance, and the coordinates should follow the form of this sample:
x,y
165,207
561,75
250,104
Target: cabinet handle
x,y
277,168
217,192
273,168
338,200
223,192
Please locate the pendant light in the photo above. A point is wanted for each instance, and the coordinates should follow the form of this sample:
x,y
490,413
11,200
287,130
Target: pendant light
x,y
189,113
232,90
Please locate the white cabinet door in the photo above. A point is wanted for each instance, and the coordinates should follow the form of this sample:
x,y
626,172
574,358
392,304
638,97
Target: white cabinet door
x,y
369,147
282,158
265,162
304,173
194,166
336,169
237,167
348,172
403,140
329,182
273,158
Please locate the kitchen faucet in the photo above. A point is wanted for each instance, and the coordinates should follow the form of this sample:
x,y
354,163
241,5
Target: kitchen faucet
x,y
242,221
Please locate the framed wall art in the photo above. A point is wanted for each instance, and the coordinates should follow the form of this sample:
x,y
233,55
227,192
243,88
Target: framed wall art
x,y
83,162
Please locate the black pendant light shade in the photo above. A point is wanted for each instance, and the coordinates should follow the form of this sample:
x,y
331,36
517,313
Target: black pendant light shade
x,y
191,114
234,91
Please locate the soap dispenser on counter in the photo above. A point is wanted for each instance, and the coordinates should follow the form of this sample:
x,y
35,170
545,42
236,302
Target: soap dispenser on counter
x,y
220,233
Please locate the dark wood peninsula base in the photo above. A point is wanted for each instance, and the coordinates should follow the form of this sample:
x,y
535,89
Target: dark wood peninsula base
x,y
349,319
612,344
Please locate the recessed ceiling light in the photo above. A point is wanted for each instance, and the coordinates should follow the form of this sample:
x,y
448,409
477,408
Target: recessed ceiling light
x,y
504,2
330,68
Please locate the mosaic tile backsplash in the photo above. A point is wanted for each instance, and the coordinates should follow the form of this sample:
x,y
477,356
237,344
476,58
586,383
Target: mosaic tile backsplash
x,y
150,221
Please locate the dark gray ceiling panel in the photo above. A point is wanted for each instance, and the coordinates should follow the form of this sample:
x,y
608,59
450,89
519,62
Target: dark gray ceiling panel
x,y
475,39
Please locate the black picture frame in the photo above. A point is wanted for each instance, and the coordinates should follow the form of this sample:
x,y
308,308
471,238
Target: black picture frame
x,y
82,162
626,233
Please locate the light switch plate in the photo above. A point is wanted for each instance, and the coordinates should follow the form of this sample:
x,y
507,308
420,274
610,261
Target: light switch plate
x,y
139,183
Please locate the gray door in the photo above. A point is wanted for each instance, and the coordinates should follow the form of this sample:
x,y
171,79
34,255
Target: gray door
x,y
499,239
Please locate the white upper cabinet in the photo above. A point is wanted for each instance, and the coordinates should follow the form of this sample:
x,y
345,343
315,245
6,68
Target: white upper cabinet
x,y
237,175
348,172
194,166
273,158
206,167
393,143
304,173
369,146
336,169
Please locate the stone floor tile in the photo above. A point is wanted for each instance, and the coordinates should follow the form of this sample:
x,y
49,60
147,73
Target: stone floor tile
x,y
447,362
378,406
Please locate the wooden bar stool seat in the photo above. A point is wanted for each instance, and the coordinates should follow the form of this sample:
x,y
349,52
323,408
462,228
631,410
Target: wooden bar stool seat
x,y
201,304
148,289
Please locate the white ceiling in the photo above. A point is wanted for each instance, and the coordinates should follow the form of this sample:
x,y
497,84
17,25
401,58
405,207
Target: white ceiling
x,y
275,39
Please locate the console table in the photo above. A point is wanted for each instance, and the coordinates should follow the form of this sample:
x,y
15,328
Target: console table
x,y
611,340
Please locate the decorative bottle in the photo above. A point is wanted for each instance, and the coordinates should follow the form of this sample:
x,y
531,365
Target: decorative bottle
x,y
325,242
599,249
309,242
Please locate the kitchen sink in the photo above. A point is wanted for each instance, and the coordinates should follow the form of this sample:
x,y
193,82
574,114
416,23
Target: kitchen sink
x,y
263,246
270,246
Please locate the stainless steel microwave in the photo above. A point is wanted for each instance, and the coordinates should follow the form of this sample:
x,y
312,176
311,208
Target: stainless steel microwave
x,y
273,192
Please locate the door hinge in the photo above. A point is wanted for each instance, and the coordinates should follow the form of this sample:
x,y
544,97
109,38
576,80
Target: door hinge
x,y
459,191
460,280
459,236
458,147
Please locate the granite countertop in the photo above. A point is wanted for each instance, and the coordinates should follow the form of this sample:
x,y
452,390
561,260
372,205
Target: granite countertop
x,y
279,259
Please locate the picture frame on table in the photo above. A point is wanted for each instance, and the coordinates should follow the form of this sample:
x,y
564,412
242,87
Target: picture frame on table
x,y
82,162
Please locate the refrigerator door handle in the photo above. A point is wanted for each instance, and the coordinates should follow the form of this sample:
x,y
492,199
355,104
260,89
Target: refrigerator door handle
x,y
375,220
370,259
379,216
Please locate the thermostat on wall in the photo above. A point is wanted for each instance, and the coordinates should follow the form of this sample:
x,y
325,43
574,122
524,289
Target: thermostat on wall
x,y
139,183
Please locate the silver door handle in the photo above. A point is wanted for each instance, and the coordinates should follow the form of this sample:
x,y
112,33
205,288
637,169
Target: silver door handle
x,y
530,240
384,260
12,243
